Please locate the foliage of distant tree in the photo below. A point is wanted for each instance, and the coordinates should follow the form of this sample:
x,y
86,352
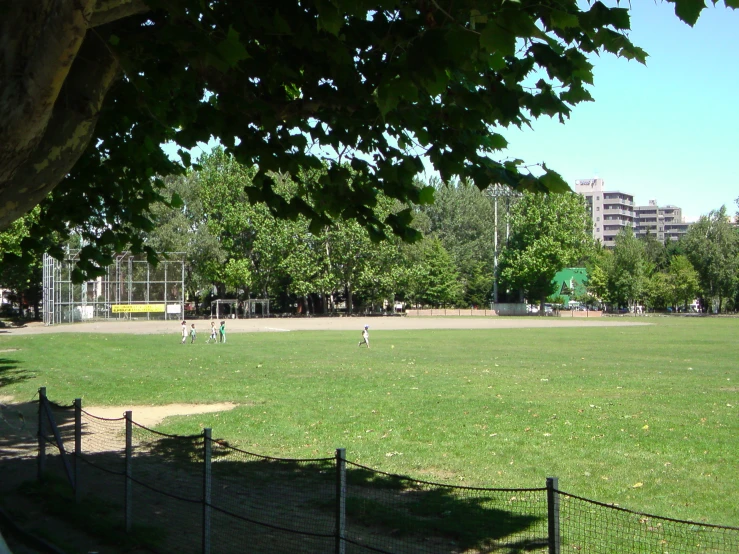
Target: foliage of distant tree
x,y
548,233
21,274
630,270
643,271
712,246
463,220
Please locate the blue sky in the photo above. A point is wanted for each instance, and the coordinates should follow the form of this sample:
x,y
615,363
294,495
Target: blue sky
x,y
667,131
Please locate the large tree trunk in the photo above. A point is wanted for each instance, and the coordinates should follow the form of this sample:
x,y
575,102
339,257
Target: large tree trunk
x,y
54,76
349,299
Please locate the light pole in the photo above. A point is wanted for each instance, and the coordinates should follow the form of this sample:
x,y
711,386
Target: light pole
x,y
500,191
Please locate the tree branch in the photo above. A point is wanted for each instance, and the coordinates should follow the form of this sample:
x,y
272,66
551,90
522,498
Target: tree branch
x,y
107,11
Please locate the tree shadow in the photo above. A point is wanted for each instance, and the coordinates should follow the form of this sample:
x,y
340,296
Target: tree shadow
x,y
18,424
10,374
274,505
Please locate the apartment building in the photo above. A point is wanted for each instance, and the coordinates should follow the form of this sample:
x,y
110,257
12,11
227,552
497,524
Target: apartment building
x,y
662,222
610,211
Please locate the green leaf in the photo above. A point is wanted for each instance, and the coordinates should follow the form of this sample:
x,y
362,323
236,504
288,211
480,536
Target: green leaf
x,y
230,49
281,26
689,10
114,40
437,85
186,158
329,18
563,20
495,141
476,17
495,38
426,195
460,44
553,181
388,95
176,201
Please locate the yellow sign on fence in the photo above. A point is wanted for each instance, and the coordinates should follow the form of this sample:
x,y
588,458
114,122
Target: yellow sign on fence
x,y
127,308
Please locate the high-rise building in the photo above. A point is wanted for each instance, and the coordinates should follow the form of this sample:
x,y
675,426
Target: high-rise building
x,y
611,211
662,222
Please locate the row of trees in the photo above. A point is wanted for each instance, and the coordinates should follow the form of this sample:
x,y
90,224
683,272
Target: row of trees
x,y
704,264
240,248
474,246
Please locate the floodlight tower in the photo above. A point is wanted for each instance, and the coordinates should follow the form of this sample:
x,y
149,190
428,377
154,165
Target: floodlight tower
x,y
500,191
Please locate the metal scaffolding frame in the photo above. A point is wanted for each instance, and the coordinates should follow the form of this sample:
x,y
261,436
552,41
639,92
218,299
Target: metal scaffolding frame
x,y
251,304
216,309
130,288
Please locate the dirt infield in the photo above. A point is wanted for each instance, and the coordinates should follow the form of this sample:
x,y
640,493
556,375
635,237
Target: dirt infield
x,y
277,324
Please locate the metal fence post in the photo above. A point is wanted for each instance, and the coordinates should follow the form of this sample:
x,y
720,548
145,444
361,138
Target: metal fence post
x,y
128,501
340,500
207,448
553,515
77,447
41,433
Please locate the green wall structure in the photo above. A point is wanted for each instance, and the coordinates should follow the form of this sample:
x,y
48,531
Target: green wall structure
x,y
570,283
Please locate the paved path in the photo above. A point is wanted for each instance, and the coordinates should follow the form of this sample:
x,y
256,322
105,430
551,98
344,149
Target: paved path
x,y
278,324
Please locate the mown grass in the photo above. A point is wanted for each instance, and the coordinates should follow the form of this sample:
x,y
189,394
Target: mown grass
x,y
646,417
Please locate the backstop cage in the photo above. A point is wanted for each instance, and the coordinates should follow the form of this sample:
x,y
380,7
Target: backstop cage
x,y
130,288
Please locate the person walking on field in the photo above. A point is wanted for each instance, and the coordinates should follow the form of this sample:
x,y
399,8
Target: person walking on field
x,y
223,331
184,332
213,333
365,337
193,334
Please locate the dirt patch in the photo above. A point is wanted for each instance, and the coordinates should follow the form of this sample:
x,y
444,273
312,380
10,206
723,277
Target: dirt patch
x,y
352,323
18,447
149,416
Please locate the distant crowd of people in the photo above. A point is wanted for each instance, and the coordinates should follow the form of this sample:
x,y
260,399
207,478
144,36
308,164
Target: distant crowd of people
x,y
217,334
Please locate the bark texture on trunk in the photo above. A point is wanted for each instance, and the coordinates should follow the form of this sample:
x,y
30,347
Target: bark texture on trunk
x,y
54,75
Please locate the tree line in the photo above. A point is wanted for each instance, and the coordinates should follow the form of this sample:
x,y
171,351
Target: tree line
x,y
701,266
475,248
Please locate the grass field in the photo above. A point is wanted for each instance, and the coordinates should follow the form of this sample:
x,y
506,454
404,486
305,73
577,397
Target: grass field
x,y
645,417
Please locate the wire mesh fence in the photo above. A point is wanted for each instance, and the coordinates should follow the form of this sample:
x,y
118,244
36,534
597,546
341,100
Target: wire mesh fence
x,y
591,526
415,516
193,494
130,288
280,504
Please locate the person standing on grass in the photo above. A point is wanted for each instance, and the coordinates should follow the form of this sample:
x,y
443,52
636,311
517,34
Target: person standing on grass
x,y
193,334
184,332
365,337
223,331
213,333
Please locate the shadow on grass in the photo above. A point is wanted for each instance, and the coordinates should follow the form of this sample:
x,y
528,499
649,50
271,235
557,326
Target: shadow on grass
x,y
97,516
10,374
286,505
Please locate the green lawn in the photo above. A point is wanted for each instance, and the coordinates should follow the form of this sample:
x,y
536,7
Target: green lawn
x,y
646,417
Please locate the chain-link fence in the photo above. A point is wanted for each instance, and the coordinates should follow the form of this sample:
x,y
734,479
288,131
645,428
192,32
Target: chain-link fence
x,y
130,288
193,494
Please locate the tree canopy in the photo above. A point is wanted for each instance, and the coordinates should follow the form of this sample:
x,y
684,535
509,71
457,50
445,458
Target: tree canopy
x,y
712,246
548,233
89,90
